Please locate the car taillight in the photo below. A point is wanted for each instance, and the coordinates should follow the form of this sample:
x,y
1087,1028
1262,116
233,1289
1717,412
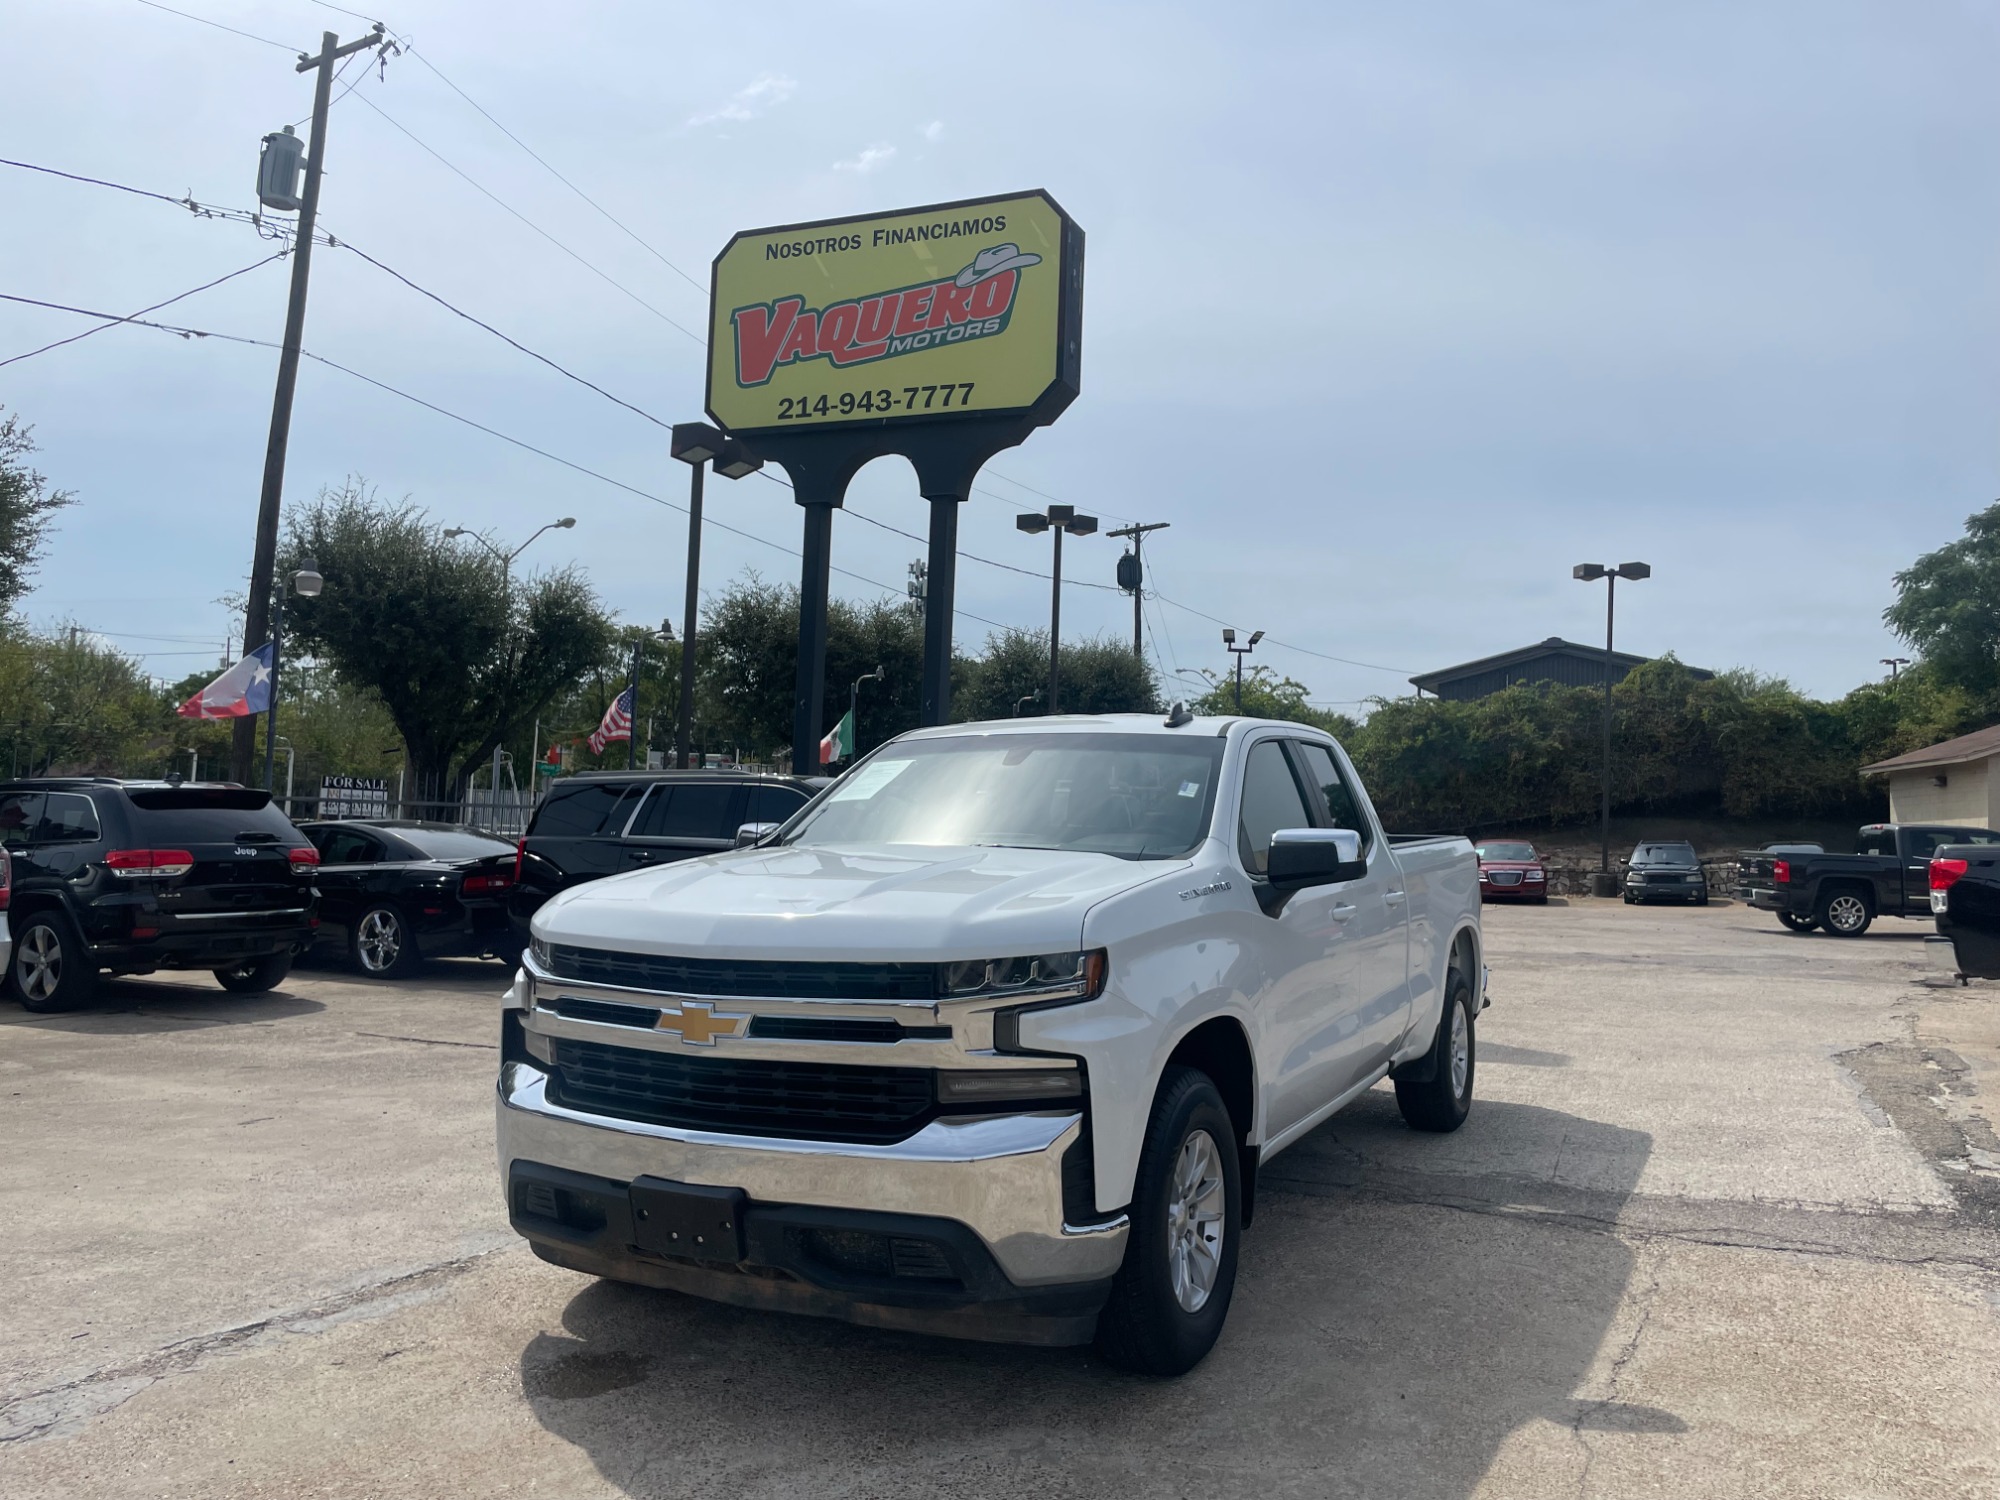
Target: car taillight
x,y
128,863
484,885
520,856
1945,873
1781,871
304,859
6,878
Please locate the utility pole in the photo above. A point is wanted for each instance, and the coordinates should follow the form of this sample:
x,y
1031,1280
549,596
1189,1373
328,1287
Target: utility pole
x,y
1133,579
243,739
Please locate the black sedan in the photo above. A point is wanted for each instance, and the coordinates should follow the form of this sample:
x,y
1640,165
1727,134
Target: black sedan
x,y
398,892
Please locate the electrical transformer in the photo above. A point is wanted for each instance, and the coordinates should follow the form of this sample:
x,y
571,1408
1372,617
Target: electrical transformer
x,y
278,170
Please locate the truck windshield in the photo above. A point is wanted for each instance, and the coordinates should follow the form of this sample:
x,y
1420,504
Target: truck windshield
x,y
1664,854
1137,796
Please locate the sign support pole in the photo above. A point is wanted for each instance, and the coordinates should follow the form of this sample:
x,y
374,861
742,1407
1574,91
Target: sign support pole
x,y
940,584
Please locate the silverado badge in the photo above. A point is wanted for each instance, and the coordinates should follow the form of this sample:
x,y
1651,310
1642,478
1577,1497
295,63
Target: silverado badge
x,y
698,1024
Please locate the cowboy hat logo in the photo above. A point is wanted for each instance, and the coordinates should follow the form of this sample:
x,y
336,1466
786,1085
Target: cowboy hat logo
x,y
992,261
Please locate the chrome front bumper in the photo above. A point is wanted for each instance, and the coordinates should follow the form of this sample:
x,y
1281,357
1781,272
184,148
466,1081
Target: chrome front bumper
x,y
999,1175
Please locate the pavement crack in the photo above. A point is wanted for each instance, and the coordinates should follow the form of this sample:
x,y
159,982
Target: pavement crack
x,y
1588,1410
66,1406
429,1041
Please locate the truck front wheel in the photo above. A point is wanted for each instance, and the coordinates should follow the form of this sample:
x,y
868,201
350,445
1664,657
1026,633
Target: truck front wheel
x,y
1171,1295
1844,912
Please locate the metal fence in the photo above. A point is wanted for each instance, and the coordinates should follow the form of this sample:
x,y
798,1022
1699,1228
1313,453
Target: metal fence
x,y
505,814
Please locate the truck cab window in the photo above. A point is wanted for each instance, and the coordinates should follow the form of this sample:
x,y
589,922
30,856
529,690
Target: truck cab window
x,y
1334,797
1271,801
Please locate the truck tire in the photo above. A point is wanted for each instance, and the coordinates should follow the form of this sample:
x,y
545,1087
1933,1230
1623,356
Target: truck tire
x,y
1844,911
1440,1103
255,975
1795,922
51,969
1171,1295
381,945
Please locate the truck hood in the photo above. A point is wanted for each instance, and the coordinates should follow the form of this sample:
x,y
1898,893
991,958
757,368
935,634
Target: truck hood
x,y
864,901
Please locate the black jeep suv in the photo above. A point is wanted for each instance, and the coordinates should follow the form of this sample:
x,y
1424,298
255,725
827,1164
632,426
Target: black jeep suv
x,y
125,877
603,822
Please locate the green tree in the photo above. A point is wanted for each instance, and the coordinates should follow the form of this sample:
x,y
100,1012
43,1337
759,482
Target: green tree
x,y
1948,607
431,630
1266,695
748,666
71,706
27,509
1098,677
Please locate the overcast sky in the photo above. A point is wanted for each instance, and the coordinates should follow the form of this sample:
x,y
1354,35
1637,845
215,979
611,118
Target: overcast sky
x,y
1394,312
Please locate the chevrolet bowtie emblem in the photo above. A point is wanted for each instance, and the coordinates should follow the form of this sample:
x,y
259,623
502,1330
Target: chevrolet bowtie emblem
x,y
699,1025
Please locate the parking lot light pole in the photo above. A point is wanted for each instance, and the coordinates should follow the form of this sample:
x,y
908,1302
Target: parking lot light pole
x,y
307,582
1590,573
696,444
1059,519
567,523
1895,664
1239,652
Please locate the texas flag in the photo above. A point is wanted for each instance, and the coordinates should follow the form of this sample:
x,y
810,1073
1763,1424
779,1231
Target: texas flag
x,y
244,689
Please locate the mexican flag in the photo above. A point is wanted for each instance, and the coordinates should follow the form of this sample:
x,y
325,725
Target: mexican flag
x,y
839,744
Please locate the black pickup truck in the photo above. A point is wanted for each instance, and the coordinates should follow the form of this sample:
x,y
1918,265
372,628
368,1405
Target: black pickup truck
x,y
1887,876
1965,899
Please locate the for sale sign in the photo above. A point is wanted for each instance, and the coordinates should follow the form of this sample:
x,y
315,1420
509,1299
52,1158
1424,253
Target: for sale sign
x,y
924,314
353,797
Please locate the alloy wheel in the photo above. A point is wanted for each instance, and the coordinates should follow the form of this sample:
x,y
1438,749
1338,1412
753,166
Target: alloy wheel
x,y
1194,1221
38,968
1845,913
1461,1051
379,941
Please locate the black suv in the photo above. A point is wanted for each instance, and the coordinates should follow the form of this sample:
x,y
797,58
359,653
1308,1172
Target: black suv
x,y
602,822
132,876
1665,870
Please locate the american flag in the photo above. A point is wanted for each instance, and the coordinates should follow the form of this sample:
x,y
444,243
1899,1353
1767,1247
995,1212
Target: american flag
x,y
617,724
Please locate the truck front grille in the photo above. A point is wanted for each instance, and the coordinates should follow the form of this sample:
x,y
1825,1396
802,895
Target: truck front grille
x,y
747,979
802,1100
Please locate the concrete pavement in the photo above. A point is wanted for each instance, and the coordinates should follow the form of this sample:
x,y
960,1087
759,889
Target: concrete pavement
x,y
1720,1225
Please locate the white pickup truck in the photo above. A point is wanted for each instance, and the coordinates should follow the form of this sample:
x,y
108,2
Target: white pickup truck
x,y
991,1037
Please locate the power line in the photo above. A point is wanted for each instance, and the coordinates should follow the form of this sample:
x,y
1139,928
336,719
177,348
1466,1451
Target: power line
x,y
587,265
113,322
381,385
505,339
270,229
233,31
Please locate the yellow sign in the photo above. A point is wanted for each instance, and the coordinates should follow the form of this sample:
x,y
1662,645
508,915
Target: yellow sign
x,y
927,313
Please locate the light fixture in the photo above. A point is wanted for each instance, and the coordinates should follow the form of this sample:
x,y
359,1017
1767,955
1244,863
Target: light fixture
x,y
307,579
695,442
736,460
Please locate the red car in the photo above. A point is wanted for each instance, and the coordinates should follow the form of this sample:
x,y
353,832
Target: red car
x,y
1511,871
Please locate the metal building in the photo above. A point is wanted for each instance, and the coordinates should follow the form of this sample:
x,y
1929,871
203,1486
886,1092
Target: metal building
x,y
1552,660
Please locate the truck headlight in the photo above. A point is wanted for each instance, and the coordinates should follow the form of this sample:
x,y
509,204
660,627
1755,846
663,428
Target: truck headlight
x,y
1041,976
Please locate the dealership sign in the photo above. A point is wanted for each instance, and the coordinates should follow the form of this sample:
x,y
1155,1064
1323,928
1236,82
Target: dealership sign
x,y
927,314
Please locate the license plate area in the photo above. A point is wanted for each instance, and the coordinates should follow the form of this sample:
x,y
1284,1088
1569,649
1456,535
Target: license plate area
x,y
688,1219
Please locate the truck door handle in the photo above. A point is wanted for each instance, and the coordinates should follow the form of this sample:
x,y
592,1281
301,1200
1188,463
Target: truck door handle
x,y
1342,912
1393,898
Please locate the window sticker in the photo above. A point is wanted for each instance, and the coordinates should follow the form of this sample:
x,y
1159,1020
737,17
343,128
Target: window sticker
x,y
1190,788
869,780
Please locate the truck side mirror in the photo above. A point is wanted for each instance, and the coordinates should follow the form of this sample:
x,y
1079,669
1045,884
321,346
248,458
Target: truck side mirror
x,y
754,833
1314,856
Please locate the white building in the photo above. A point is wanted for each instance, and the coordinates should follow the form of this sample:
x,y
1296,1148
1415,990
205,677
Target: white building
x,y
1951,782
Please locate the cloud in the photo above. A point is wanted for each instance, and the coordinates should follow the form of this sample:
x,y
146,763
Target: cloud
x,y
870,159
764,92
933,131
